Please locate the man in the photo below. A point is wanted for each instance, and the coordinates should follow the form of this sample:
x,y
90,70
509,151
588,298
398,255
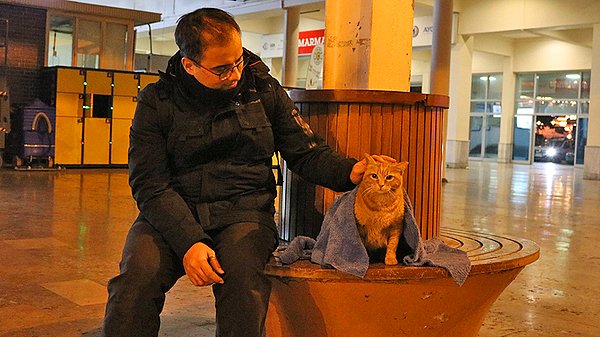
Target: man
x,y
200,154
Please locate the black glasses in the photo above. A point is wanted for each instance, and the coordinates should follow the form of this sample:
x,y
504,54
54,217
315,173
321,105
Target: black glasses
x,y
224,72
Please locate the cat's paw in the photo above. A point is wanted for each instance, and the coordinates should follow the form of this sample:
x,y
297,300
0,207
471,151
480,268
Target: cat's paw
x,y
391,260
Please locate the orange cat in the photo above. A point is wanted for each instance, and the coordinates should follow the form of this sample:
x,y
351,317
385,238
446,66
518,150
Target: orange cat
x,y
379,208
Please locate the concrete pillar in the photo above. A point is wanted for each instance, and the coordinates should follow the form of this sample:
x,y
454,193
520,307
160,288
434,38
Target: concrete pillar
x,y
290,51
457,143
368,44
591,167
440,60
441,47
505,145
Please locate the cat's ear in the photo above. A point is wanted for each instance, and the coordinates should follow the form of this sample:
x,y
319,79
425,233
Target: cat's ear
x,y
402,166
369,159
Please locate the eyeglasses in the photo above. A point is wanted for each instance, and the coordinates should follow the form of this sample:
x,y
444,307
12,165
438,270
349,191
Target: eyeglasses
x,y
224,72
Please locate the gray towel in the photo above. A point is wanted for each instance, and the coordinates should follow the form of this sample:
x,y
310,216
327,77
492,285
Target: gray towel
x,y
339,245
299,249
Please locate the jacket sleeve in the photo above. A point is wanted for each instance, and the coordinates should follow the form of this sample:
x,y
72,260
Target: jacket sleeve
x,y
304,151
149,177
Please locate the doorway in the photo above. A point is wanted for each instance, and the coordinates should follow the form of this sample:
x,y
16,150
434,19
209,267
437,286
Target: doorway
x,y
555,138
486,109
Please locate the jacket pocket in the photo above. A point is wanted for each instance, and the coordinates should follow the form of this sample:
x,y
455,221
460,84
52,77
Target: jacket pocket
x,y
191,142
256,132
253,116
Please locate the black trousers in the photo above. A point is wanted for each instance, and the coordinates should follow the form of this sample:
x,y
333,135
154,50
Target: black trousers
x,y
149,268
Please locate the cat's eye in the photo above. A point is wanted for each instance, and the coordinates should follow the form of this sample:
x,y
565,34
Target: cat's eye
x,y
374,176
389,177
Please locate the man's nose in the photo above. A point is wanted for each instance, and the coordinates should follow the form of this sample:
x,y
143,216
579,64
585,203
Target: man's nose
x,y
236,74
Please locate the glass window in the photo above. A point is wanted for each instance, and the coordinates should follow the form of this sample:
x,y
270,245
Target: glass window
x,y
60,41
492,136
88,43
477,106
486,95
525,84
584,107
556,107
525,107
557,99
475,136
114,51
558,85
495,87
494,107
585,84
582,131
478,87
522,134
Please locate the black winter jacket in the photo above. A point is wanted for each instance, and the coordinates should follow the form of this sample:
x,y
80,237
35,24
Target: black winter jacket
x,y
198,163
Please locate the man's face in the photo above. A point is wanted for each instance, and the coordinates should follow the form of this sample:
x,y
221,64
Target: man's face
x,y
216,58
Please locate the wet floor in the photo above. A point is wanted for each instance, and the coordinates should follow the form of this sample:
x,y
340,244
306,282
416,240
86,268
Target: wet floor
x,y
61,234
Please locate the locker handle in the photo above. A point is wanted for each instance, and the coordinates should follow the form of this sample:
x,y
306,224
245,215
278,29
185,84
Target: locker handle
x,y
80,120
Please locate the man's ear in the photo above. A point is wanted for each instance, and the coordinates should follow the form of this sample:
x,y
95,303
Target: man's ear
x,y
188,65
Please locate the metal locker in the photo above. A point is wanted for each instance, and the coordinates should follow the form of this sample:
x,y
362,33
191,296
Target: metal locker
x,y
69,80
125,84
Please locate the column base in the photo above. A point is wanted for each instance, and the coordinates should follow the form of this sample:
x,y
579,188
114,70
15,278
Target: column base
x,y
457,153
505,153
400,301
591,167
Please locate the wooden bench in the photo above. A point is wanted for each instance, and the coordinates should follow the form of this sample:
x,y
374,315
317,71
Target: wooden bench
x,y
308,300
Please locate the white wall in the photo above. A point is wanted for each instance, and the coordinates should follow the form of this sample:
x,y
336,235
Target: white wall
x,y
487,63
550,55
252,41
310,24
160,47
484,16
265,25
420,66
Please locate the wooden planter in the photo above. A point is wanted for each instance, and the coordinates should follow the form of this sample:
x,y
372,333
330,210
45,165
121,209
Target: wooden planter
x,y
405,126
398,301
390,300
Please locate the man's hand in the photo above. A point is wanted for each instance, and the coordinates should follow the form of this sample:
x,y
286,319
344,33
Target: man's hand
x,y
201,265
359,168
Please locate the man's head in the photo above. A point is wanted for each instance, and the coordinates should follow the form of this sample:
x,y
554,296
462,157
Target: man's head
x,y
209,41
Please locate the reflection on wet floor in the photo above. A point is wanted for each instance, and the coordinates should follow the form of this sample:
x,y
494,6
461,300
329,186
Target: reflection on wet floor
x,y
61,234
553,206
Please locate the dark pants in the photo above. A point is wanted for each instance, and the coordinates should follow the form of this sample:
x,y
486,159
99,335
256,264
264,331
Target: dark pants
x,y
149,268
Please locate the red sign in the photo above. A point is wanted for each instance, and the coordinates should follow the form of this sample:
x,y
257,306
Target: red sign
x,y
307,40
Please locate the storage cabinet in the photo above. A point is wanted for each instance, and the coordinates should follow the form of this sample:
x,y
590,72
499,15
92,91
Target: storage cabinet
x,y
94,110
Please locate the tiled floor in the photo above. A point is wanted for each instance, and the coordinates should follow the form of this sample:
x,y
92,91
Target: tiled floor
x,y
61,234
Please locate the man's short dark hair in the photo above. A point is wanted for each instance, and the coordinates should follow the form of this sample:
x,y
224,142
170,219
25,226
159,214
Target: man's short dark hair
x,y
201,27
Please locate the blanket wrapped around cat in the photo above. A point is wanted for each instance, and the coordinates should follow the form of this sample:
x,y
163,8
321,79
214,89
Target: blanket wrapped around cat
x,y
339,245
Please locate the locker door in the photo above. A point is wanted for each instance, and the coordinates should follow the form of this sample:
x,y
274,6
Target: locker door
x,y
67,150
69,80
96,139
126,84
69,113
124,106
98,82
120,140
123,111
69,104
96,128
146,79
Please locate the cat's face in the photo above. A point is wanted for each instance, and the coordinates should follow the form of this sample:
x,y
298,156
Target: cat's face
x,y
383,177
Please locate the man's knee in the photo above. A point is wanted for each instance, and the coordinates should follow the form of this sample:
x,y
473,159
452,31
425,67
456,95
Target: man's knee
x,y
147,264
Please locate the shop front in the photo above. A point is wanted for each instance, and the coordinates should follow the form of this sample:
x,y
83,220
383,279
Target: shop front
x,y
551,117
